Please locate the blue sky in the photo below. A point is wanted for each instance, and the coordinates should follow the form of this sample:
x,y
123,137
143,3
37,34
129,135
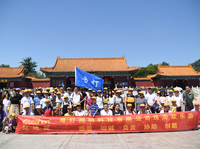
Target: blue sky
x,y
144,31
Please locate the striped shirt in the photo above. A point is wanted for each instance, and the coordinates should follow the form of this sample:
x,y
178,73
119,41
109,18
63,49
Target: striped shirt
x,y
93,108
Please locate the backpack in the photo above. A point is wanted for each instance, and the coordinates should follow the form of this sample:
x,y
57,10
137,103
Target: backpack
x,y
189,102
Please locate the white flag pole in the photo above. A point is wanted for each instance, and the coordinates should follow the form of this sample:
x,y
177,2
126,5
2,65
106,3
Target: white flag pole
x,y
75,75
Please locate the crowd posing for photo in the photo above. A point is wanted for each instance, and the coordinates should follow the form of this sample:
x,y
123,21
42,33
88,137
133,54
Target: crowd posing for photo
x,y
81,102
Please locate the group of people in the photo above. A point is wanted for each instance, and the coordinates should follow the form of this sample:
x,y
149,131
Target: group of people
x,y
58,102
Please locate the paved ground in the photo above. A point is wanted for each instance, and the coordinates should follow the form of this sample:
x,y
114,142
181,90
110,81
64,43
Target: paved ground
x,y
183,139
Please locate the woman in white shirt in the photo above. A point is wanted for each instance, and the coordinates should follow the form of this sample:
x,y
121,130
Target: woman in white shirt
x,y
162,99
110,99
179,100
6,103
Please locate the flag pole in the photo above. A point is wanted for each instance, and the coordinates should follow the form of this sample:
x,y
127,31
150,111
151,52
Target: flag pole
x,y
75,75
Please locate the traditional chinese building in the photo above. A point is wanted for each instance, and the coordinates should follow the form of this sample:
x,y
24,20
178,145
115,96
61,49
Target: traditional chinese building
x,y
12,77
171,76
112,70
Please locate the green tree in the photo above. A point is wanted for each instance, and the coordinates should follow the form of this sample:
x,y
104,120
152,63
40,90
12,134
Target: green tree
x,y
196,65
149,70
29,65
165,64
4,65
38,75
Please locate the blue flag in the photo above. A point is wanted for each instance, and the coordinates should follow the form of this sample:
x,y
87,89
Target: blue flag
x,y
87,80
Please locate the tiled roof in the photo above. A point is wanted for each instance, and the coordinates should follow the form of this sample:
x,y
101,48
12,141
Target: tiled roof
x,y
90,65
175,71
33,79
11,72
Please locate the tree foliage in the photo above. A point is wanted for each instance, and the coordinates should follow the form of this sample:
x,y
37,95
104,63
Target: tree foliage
x,y
196,65
29,65
4,65
149,70
38,75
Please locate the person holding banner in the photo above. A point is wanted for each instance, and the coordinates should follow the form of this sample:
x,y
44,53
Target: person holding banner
x,y
117,111
129,110
79,111
196,107
166,109
106,111
69,111
94,107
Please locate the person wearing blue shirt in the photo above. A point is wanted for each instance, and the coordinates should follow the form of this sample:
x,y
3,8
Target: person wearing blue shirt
x,y
36,101
93,107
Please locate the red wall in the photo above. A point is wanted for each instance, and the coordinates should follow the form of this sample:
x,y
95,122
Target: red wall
x,y
144,83
40,84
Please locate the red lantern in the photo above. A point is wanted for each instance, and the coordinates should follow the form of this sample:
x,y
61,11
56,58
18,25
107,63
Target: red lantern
x,y
183,81
71,79
106,79
177,81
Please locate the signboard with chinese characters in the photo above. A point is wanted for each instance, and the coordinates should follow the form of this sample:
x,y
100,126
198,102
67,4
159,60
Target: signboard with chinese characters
x,y
108,124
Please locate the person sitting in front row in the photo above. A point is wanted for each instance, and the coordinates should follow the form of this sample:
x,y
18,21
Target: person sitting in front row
x,y
106,111
143,111
26,108
173,107
117,110
69,111
48,109
93,107
129,110
166,108
12,124
196,106
79,112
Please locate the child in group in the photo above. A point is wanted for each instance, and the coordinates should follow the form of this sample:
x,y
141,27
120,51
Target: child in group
x,y
26,108
3,117
64,105
87,111
69,111
48,109
79,112
196,106
56,111
93,107
38,110
74,108
173,107
12,124
166,108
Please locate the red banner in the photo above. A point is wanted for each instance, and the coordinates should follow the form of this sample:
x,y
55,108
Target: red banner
x,y
108,124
